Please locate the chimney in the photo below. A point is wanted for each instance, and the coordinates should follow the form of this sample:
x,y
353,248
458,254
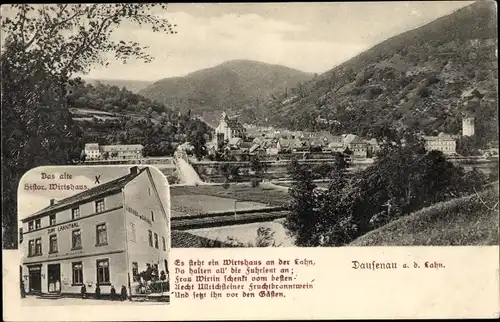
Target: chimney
x,y
52,201
134,170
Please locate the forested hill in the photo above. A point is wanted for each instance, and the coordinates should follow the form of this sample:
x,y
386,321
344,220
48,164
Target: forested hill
x,y
135,86
428,77
236,86
113,99
134,119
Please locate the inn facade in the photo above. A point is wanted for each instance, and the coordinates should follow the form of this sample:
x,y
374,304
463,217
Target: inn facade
x,y
104,236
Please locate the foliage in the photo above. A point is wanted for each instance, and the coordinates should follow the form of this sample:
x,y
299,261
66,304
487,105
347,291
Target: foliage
x,y
134,120
467,146
403,179
304,212
44,46
465,221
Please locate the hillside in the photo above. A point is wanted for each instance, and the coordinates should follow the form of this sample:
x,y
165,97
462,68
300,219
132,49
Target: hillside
x,y
427,77
463,221
110,115
135,86
236,86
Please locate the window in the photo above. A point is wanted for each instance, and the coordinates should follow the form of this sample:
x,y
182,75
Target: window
x,y
163,242
38,224
31,248
150,238
52,219
75,213
53,244
132,232
76,239
30,226
101,234
77,273
152,216
38,246
103,271
156,241
99,205
135,271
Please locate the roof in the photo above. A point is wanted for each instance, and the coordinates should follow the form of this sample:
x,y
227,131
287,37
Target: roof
x,y
119,147
284,142
235,140
246,145
254,148
335,144
440,137
113,185
92,146
352,138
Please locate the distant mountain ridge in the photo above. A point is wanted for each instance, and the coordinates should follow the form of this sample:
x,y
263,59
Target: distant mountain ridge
x,y
428,78
135,86
236,86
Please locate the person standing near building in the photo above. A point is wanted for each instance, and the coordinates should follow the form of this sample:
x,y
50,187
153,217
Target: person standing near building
x,y
23,291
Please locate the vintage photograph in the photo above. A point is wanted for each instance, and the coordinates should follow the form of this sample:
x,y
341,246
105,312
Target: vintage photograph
x,y
94,235
276,125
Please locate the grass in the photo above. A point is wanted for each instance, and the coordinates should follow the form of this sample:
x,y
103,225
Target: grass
x,y
266,195
199,204
463,221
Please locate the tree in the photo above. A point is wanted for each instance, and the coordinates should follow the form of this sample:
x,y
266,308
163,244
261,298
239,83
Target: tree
x,y
467,146
44,47
258,166
300,223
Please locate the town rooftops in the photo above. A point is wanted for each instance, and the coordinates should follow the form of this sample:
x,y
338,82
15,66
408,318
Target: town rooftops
x,y
108,187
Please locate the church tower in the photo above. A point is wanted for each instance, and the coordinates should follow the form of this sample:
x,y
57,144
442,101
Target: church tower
x,y
468,126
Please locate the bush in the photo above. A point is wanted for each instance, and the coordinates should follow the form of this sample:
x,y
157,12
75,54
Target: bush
x,y
255,182
226,184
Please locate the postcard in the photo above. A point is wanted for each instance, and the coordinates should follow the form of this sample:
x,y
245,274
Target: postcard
x,y
236,161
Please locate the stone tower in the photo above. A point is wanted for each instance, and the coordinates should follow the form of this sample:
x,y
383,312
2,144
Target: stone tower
x,y
468,126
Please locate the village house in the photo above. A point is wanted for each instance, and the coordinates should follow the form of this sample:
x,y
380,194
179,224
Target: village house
x,y
372,147
442,142
356,145
103,236
94,151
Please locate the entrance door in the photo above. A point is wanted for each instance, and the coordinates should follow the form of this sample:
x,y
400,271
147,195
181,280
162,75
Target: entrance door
x,y
54,278
35,279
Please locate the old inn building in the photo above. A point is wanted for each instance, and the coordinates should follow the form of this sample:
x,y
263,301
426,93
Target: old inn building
x,y
106,235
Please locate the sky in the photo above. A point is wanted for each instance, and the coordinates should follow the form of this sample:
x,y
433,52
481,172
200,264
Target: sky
x,y
312,37
30,201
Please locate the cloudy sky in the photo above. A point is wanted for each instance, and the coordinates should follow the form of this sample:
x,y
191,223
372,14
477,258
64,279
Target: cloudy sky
x,y
312,37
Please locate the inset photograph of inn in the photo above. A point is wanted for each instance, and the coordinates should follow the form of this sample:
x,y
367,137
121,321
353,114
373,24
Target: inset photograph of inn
x,y
94,235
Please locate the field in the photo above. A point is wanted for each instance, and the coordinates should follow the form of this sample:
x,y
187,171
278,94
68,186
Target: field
x,y
466,221
214,198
